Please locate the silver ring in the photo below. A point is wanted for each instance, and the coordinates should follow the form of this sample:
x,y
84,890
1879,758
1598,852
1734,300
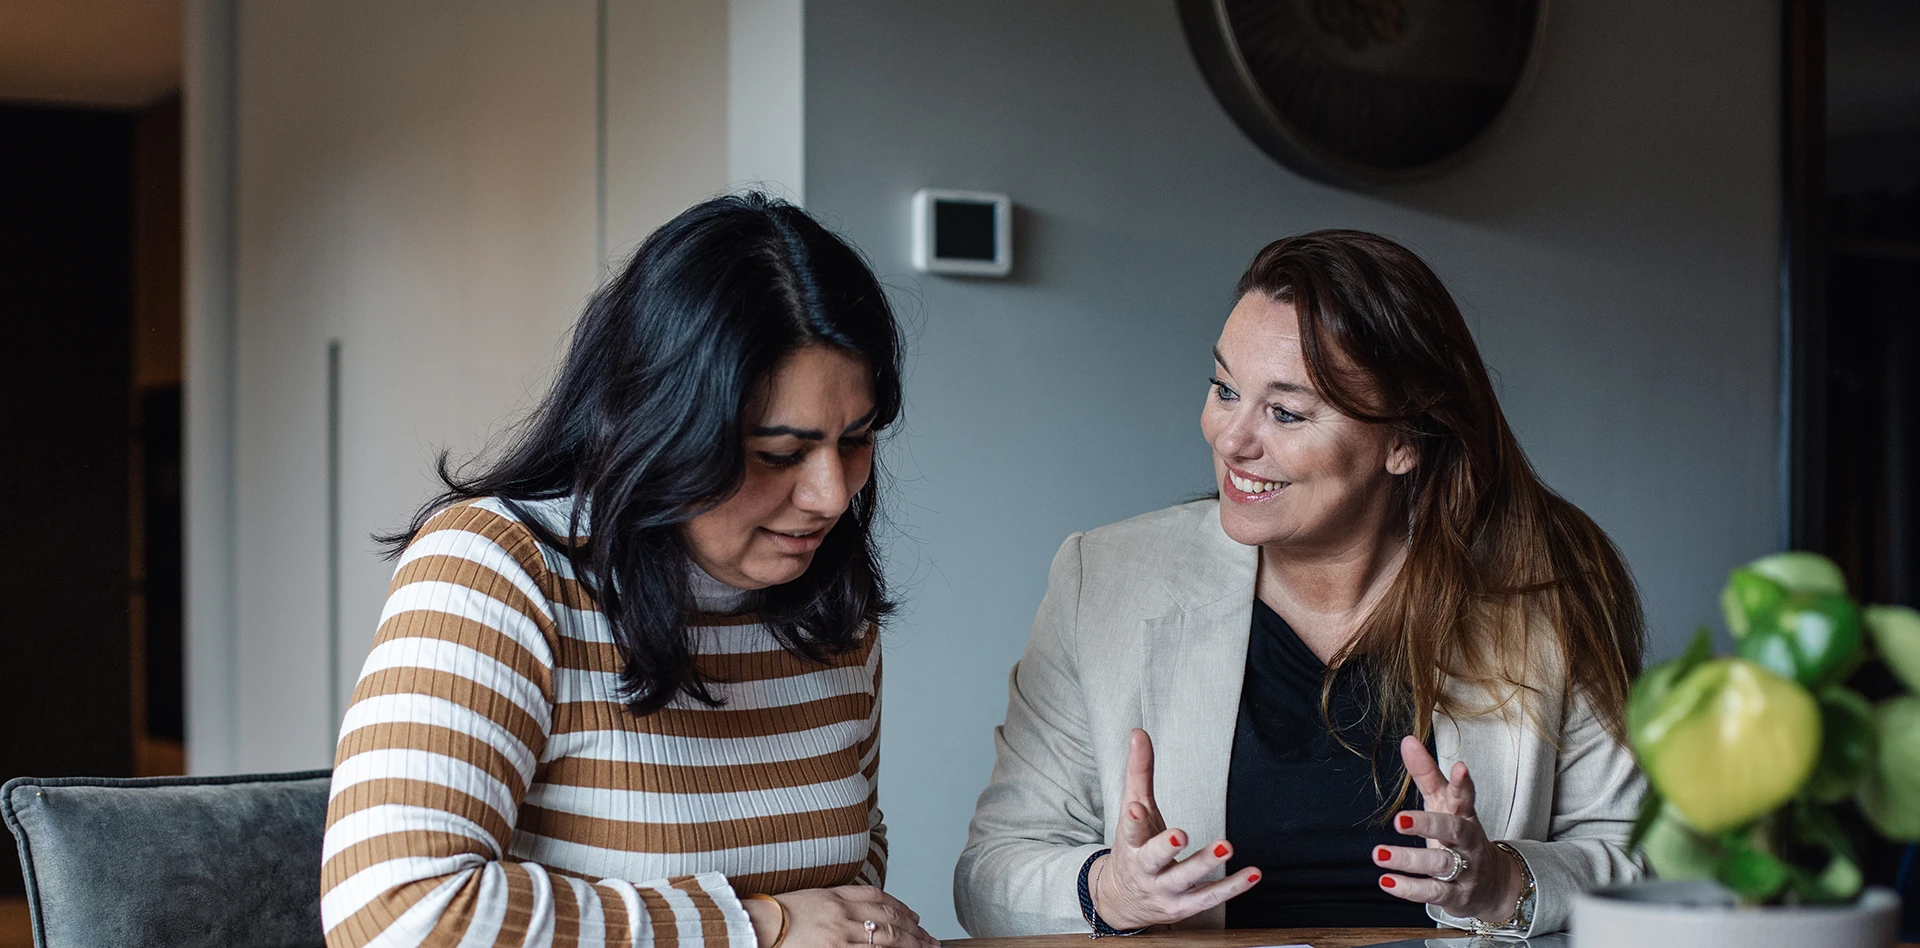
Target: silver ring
x,y
1459,866
871,928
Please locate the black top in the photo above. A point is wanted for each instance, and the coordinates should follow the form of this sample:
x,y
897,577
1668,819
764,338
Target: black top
x,y
1302,807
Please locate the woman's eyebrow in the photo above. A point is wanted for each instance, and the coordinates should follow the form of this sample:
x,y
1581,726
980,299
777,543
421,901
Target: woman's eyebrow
x,y
862,421
813,434
775,431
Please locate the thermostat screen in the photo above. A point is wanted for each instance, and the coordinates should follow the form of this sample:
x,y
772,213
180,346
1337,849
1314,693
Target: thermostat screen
x,y
963,230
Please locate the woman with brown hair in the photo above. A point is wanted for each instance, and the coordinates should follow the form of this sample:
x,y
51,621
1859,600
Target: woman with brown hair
x,y
1386,662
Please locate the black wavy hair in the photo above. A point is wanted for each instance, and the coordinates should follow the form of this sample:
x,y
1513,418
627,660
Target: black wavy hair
x,y
643,429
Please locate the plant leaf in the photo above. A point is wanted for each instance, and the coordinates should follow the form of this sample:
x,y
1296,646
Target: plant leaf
x,y
1748,594
1773,651
1840,881
1801,571
1896,632
1677,852
1699,649
1653,687
1846,744
1890,795
1751,874
1814,830
1815,824
1730,744
1813,638
1649,811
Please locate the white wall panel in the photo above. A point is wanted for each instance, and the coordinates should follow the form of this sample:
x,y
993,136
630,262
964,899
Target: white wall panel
x,y
416,179
666,118
432,184
208,407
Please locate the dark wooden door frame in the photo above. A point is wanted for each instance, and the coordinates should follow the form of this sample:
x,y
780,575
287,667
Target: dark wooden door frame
x,y
1803,255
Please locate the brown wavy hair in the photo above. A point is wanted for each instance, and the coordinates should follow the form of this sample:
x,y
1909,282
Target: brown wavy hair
x,y
1505,584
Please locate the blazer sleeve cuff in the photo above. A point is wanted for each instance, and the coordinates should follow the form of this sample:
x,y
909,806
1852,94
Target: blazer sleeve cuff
x,y
1044,899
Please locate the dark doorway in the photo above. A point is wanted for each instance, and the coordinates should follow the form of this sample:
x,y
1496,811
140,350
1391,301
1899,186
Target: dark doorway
x,y
65,257
1852,298
1872,295
90,429
1851,310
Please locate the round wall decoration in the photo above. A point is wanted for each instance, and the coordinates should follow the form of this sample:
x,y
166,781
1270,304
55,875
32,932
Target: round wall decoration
x,y
1363,91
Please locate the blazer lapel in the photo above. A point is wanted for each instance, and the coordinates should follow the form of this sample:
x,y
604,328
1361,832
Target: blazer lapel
x,y
1196,659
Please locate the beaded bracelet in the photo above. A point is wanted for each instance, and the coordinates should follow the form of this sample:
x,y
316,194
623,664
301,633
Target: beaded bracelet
x,y
784,918
1100,928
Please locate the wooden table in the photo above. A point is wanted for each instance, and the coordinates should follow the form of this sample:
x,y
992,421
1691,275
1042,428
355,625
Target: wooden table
x,y
1236,938
1240,938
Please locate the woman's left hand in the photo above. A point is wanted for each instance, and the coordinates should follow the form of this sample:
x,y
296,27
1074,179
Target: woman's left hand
x,y
1490,884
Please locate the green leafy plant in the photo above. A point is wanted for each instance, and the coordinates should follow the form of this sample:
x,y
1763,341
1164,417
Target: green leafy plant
x,y
1748,755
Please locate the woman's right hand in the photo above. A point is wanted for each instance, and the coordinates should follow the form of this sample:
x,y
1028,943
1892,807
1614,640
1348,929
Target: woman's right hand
x,y
837,918
1140,883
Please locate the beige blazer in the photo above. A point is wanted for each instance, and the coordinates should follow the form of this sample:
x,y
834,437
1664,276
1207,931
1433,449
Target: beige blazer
x,y
1145,624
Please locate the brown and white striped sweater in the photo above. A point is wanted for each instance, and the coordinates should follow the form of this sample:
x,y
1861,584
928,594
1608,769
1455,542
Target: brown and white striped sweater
x,y
491,789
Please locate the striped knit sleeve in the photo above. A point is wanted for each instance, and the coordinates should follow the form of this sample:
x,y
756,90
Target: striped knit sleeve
x,y
874,871
445,732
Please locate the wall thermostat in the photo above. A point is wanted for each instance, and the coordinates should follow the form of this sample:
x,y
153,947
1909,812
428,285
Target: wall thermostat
x,y
968,233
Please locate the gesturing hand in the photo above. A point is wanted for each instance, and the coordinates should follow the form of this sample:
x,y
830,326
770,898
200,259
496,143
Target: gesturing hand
x,y
1140,883
1491,881
838,917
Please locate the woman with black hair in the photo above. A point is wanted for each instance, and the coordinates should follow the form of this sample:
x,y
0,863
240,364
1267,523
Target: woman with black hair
x,y
625,689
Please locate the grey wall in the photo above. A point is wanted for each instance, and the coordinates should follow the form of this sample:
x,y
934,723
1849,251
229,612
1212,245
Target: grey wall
x,y
1614,246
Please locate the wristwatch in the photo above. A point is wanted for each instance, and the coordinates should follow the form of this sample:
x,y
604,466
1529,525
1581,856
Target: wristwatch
x,y
1521,921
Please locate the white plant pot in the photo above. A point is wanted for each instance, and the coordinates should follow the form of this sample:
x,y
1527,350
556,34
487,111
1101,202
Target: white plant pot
x,y
1704,915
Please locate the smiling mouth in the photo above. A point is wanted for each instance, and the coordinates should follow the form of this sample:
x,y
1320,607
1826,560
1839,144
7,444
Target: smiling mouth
x,y
798,542
796,534
1248,485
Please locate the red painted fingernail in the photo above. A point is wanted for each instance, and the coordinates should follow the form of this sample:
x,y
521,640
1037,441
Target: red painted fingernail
x,y
1176,841
1253,878
1386,882
1406,821
1382,854
1220,851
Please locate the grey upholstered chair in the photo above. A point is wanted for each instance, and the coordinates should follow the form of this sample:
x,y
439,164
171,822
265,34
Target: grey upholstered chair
x,y
171,862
